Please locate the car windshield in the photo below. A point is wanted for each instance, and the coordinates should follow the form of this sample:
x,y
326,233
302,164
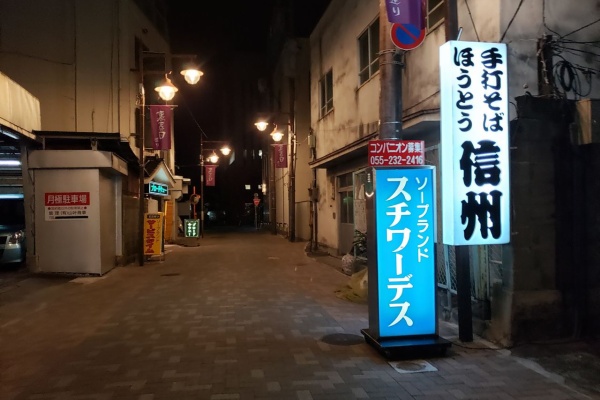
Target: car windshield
x,y
12,212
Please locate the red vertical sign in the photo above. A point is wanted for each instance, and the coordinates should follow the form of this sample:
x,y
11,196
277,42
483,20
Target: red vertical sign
x,y
281,156
210,174
160,120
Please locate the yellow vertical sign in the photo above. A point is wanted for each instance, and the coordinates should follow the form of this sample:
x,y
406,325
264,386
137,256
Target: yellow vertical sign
x,y
153,233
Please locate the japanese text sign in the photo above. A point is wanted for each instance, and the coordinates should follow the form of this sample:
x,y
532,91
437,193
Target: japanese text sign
x,y
153,233
66,205
191,227
211,172
158,189
280,155
405,229
160,120
383,153
474,142
406,12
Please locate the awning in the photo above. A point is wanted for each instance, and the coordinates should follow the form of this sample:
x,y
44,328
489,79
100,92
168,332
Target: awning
x,y
353,150
157,171
412,127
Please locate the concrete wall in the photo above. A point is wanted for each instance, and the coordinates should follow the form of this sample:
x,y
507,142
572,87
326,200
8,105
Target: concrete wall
x,y
560,18
291,87
81,68
130,229
334,46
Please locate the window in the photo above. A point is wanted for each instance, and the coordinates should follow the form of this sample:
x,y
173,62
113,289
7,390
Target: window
x,y
326,88
435,13
347,207
368,49
346,199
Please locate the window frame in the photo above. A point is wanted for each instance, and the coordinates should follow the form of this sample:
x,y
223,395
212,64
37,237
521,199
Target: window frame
x,y
345,191
326,98
434,9
372,64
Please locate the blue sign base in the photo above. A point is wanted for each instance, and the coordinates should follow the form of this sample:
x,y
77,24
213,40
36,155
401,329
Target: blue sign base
x,y
406,347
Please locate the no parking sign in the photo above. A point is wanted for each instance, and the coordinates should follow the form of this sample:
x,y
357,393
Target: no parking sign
x,y
407,36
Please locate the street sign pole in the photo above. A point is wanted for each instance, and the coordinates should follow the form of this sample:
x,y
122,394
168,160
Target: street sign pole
x,y
256,203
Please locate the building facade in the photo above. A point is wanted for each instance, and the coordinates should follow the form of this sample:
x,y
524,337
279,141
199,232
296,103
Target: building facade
x,y
515,286
86,73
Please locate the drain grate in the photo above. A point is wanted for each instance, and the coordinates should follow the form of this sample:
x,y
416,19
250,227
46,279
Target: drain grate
x,y
342,339
171,274
412,366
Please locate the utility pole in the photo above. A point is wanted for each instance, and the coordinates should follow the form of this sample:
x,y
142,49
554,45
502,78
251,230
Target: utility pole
x,y
463,262
292,170
390,75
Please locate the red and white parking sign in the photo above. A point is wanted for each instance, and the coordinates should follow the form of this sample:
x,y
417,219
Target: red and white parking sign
x,y
66,205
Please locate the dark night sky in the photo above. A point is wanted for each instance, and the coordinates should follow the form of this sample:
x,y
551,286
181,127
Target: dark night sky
x,y
217,32
212,30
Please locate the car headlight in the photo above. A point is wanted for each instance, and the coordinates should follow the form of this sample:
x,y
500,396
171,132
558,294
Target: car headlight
x,y
16,237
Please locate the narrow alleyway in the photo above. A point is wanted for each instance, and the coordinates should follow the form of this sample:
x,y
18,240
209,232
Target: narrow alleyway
x,y
242,316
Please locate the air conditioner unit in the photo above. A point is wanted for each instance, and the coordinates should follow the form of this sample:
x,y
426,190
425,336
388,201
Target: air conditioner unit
x,y
588,117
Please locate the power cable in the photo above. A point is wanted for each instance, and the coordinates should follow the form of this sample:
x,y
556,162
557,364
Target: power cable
x,y
544,19
583,27
193,118
511,20
472,22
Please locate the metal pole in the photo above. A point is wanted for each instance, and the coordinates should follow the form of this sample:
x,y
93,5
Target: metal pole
x,y
141,160
201,187
463,294
292,170
292,190
463,262
272,191
390,97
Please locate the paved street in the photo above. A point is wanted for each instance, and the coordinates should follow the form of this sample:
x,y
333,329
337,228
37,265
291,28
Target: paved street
x,y
239,317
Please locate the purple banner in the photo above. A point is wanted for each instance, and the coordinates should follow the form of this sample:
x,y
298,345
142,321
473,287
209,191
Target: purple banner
x,y
160,121
407,12
211,172
280,155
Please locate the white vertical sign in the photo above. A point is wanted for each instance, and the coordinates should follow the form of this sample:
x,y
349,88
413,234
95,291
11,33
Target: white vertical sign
x,y
475,145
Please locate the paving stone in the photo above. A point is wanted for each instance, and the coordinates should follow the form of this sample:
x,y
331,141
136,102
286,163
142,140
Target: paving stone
x,y
242,320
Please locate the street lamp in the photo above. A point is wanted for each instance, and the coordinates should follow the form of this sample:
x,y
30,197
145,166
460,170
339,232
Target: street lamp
x,y
192,74
261,125
166,91
277,135
213,158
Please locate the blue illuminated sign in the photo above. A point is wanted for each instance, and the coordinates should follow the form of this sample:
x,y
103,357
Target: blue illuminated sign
x,y
158,189
405,223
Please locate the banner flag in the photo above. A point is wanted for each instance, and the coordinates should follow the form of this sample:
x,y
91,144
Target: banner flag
x,y
160,121
210,175
407,12
280,155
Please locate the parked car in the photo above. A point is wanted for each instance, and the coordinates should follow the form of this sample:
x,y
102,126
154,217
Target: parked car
x,y
12,230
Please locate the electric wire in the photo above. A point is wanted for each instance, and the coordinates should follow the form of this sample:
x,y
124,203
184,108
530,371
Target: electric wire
x,y
472,22
583,27
511,20
193,118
